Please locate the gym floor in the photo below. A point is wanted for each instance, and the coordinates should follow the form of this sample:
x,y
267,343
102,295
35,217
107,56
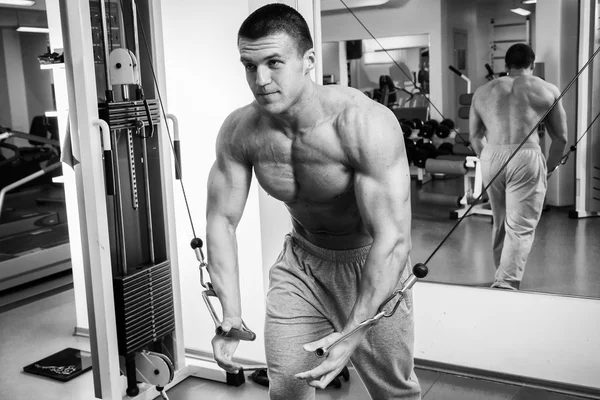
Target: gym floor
x,y
35,330
563,259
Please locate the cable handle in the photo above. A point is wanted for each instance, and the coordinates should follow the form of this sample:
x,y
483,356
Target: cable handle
x,y
243,333
420,271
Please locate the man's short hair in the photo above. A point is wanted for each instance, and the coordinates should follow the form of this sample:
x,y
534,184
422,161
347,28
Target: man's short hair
x,y
277,18
519,56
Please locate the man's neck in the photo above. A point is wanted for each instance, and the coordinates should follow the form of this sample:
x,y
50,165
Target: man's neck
x,y
303,115
520,72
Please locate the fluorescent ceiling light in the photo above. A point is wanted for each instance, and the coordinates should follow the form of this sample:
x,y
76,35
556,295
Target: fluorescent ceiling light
x,y
529,1
32,29
28,3
520,11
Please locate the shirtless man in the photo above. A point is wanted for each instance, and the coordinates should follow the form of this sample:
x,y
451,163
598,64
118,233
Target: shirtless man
x,y
503,113
336,159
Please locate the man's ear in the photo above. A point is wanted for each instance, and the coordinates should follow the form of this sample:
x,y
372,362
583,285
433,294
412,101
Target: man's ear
x,y
309,60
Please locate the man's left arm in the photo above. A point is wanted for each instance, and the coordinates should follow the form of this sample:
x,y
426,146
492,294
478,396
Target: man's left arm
x,y
382,188
377,154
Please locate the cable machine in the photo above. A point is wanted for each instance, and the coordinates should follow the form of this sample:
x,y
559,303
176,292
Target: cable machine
x,y
141,269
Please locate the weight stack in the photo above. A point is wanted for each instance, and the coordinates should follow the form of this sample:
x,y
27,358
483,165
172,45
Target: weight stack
x,y
143,307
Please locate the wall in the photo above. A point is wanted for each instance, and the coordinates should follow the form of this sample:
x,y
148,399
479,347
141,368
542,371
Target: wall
x,y
331,63
25,90
201,93
462,15
396,21
13,61
558,52
527,334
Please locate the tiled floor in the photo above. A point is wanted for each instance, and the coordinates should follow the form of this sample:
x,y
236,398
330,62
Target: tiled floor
x,y
38,329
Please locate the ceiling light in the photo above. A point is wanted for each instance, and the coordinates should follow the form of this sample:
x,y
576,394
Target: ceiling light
x,y
529,1
28,3
32,29
521,11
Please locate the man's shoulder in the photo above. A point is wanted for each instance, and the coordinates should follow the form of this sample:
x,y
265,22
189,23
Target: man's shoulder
x,y
243,117
353,107
362,122
552,88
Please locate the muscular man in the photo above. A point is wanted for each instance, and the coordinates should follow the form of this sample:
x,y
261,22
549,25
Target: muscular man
x,y
336,159
503,113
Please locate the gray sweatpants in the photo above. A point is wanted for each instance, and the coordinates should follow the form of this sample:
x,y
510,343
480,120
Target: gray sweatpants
x,y
311,294
517,198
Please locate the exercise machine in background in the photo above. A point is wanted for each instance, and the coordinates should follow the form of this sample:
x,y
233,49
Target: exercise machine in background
x,y
34,240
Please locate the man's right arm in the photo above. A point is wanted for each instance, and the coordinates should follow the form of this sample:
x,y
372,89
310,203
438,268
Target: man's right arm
x,y
476,127
556,125
228,186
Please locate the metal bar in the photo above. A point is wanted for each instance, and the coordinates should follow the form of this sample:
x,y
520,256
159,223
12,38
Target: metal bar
x,y
105,48
509,25
136,41
118,200
132,174
510,41
148,201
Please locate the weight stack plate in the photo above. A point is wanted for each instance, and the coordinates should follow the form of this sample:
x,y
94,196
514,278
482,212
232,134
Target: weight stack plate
x,y
143,307
121,115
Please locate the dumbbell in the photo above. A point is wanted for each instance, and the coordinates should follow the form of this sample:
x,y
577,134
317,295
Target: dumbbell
x,y
444,128
418,123
406,130
411,149
427,130
424,150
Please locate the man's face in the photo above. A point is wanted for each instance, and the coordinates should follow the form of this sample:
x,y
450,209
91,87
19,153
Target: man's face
x,y
275,71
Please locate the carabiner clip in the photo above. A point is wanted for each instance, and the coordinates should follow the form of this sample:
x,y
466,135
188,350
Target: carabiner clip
x,y
242,334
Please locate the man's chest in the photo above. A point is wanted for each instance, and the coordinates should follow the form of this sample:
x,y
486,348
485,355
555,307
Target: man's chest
x,y
311,166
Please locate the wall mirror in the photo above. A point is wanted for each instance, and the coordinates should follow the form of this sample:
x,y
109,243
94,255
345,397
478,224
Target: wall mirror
x,y
472,36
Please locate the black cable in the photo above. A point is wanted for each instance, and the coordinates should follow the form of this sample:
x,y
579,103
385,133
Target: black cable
x,y
513,154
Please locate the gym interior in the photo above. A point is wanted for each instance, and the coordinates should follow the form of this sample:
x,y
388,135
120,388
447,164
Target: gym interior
x,y
103,187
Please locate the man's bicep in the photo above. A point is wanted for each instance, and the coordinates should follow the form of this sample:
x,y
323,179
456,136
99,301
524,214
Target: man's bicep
x,y
384,201
228,186
476,126
382,176
556,122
